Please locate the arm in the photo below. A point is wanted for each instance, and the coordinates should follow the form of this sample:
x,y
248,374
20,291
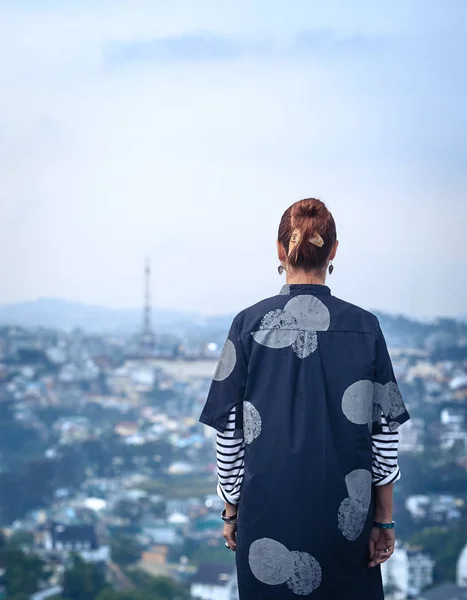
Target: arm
x,y
382,541
385,448
230,447
222,411
389,413
230,450
383,503
385,473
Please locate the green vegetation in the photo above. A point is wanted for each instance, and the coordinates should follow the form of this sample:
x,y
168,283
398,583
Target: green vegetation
x,y
182,486
23,572
444,544
83,581
125,550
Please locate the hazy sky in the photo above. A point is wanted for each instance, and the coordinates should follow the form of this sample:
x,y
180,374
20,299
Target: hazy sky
x,y
181,130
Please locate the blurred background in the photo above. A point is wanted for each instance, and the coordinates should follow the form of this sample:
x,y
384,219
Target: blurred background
x,y
147,152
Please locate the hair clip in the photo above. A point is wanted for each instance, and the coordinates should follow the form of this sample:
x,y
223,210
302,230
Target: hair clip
x,y
294,240
296,236
317,240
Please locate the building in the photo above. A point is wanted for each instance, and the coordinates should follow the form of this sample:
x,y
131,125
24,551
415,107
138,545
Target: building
x,y
462,569
420,572
214,582
453,428
79,539
411,436
446,591
395,573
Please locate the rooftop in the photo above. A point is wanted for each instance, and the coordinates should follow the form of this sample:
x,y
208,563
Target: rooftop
x,y
213,574
446,591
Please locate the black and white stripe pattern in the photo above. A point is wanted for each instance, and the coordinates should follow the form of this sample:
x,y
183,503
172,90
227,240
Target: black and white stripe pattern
x,y
385,445
230,466
231,453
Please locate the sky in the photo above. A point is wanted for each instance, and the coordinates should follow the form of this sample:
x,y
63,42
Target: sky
x,y
181,131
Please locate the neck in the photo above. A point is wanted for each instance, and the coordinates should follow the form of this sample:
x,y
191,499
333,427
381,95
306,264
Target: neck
x,y
301,277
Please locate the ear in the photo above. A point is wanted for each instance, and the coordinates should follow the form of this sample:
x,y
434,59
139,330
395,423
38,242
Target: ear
x,y
333,253
281,254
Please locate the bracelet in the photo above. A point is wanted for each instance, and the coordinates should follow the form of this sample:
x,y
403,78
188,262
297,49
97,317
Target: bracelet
x,y
383,525
228,520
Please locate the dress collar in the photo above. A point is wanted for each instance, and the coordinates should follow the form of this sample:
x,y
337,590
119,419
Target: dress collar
x,y
292,289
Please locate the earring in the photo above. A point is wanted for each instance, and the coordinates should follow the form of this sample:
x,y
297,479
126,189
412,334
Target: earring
x,y
280,269
331,268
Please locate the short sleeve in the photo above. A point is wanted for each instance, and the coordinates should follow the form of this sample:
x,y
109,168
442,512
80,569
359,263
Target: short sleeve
x,y
387,398
229,383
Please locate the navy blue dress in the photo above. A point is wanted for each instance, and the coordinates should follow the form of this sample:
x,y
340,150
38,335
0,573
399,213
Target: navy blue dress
x,y
310,374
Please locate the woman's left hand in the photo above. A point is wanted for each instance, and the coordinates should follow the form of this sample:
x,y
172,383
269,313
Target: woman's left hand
x,y
230,535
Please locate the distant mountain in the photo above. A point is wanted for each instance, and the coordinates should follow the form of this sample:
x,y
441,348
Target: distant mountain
x,y
63,314
66,315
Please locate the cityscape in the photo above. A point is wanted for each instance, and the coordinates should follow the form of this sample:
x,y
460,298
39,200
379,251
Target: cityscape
x,y
108,481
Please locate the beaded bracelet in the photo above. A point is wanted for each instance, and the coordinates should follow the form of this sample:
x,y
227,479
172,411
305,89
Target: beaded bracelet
x,y
383,525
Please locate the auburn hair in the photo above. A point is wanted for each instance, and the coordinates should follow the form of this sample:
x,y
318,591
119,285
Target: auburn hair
x,y
304,220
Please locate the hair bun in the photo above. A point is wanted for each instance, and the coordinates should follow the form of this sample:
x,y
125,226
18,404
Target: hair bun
x,y
307,211
307,233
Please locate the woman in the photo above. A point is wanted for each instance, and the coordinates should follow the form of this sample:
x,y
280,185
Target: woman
x,y
307,407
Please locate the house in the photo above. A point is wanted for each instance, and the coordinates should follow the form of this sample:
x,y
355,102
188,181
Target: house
x,y
80,539
165,535
126,428
395,573
421,568
156,555
411,436
445,591
214,581
462,569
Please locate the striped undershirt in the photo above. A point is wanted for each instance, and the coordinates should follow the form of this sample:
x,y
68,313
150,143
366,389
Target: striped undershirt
x,y
230,452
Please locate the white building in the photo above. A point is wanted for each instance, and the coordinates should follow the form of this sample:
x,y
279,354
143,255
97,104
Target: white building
x,y
462,568
395,573
453,428
76,539
407,573
411,436
214,582
420,572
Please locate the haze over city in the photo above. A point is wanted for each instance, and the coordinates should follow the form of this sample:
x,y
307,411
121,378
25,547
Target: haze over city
x,y
181,132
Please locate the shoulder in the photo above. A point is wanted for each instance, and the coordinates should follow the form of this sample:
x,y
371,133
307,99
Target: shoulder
x,y
347,315
249,318
344,316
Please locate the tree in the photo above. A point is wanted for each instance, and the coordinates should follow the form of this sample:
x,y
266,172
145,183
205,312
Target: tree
x,y
125,550
21,537
157,588
83,581
444,544
23,572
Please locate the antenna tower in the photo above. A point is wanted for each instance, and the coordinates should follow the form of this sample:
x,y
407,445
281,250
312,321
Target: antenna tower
x,y
148,334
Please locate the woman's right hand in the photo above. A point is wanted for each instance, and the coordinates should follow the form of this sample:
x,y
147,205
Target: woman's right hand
x,y
381,545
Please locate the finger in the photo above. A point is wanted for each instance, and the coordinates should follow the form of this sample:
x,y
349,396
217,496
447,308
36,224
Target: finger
x,y
380,556
371,548
231,541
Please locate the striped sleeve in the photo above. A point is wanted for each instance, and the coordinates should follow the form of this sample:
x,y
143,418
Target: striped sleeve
x,y
230,452
385,447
